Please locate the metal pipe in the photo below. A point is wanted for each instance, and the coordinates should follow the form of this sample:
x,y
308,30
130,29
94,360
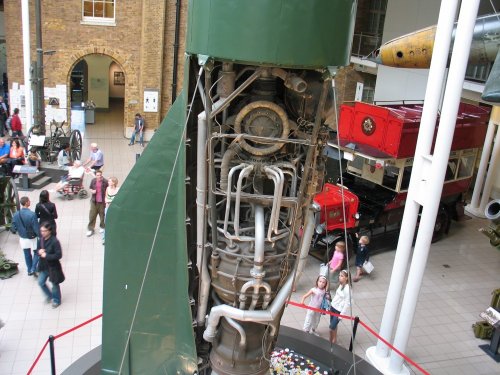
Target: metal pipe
x,y
426,132
232,323
241,331
176,49
277,176
236,92
201,234
291,80
25,17
434,187
259,241
473,207
246,171
224,168
256,285
491,175
280,197
228,200
40,115
269,315
305,245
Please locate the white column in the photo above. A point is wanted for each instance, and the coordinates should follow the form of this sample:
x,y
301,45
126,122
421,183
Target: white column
x,y
378,355
492,171
432,189
25,17
473,208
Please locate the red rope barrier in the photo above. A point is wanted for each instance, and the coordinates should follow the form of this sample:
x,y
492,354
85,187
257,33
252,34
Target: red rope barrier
x,y
325,312
369,329
60,335
38,357
78,326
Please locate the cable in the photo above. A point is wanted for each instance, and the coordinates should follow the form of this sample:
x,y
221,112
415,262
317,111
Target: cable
x,y
344,217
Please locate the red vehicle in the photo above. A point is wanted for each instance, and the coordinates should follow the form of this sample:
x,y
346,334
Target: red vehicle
x,y
378,143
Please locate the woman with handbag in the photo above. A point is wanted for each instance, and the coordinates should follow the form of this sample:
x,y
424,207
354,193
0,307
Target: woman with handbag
x,y
46,211
49,267
317,293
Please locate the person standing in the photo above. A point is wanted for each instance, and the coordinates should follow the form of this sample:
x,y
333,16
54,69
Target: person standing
x,y
4,115
317,293
362,256
63,159
98,187
50,266
111,192
46,211
25,223
15,124
138,129
337,261
341,302
96,158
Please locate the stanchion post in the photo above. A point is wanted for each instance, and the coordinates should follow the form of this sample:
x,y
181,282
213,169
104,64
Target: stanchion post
x,y
354,329
52,356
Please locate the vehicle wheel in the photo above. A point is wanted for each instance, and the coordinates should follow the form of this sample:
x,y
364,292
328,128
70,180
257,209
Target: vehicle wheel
x,y
442,223
82,194
75,144
9,201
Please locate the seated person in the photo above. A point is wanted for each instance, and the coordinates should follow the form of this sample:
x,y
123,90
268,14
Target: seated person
x,y
63,157
76,171
34,158
16,154
4,156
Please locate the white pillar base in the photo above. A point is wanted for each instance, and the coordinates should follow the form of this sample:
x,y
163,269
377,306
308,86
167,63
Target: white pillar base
x,y
382,363
475,211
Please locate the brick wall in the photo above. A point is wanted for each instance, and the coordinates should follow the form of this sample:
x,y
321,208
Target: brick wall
x,y
136,43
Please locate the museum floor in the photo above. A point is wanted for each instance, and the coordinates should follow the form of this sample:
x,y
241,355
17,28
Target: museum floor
x,y
461,273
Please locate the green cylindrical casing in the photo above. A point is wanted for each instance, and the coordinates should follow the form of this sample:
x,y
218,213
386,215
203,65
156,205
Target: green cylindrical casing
x,y
288,33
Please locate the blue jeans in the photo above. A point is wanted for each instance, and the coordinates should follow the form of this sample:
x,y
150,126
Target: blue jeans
x,y
141,138
31,262
55,295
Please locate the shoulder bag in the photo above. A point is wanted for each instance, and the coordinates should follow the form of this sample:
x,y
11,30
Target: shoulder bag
x,y
29,231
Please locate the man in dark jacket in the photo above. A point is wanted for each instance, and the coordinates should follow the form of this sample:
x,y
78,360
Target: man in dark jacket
x,y
50,266
98,187
25,223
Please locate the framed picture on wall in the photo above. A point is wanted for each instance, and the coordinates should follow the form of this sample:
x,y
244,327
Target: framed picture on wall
x,y
119,79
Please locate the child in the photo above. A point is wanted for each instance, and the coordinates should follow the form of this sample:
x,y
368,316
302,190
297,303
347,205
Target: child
x,y
34,158
340,304
361,256
316,293
337,261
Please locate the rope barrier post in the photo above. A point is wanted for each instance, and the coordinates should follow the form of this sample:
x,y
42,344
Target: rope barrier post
x,y
354,329
52,356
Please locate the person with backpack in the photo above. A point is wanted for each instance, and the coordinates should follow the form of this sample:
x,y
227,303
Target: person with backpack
x,y
25,223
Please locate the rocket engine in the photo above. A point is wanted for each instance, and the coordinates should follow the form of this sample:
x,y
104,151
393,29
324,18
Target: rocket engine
x,y
259,165
225,191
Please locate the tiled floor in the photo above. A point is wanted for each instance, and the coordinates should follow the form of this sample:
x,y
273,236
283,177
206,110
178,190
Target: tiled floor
x,y
462,271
